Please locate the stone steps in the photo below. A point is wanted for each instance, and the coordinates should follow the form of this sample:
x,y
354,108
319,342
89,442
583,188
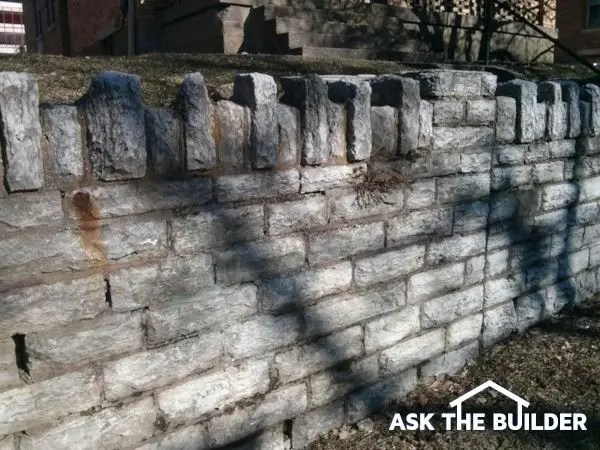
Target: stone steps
x,y
355,41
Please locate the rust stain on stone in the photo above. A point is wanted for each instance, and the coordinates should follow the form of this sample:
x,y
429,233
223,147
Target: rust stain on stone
x,y
88,213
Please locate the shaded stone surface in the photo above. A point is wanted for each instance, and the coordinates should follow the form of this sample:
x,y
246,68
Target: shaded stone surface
x,y
62,130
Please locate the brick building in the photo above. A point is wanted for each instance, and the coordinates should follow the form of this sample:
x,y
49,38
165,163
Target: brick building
x,y
578,22
417,30
12,29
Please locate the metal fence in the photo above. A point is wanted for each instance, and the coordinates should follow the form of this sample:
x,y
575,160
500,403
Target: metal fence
x,y
12,28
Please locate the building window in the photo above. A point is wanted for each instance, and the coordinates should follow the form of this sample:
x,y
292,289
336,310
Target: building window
x,y
39,17
594,14
50,12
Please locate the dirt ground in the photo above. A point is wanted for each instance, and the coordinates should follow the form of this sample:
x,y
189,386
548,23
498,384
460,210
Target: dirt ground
x,y
65,80
555,366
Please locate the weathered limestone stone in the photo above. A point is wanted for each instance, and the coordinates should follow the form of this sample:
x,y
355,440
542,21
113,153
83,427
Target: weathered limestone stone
x,y
62,130
296,215
506,120
425,124
456,247
233,124
337,120
315,423
489,83
499,323
20,130
337,244
460,138
448,113
188,438
420,194
305,360
290,144
452,83
225,91
259,92
433,282
365,402
585,111
401,93
388,265
309,94
115,126
418,225
9,373
201,150
356,94
384,124
481,112
250,186
464,330
590,93
557,126
154,368
203,309
412,352
570,95
392,328
216,389
255,259
448,308
525,94
451,362
8,443
354,206
41,403
27,210
318,179
132,240
112,200
164,141
217,227
277,294
28,309
109,428
277,406
541,121
53,352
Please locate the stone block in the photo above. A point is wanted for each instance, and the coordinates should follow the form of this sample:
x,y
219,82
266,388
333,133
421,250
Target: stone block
x,y
392,328
319,179
557,120
41,403
358,205
448,308
106,201
288,124
295,291
164,141
337,122
233,125
475,162
559,196
28,309
496,263
384,125
20,211
570,95
425,125
510,155
418,225
453,83
217,227
448,113
292,216
62,130
552,172
450,363
116,132
499,323
445,138
188,438
389,265
590,93
471,217
589,189
131,240
315,423
250,261
525,94
9,372
463,187
198,123
412,352
537,152
475,270
251,186
300,362
108,428
217,389
54,352
420,194
259,92
506,119
21,132
463,330
356,94
456,248
344,242
309,94
481,112
504,178
433,282
154,368
349,309
208,308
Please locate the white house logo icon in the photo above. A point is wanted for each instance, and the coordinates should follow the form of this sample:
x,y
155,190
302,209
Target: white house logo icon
x,y
500,421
